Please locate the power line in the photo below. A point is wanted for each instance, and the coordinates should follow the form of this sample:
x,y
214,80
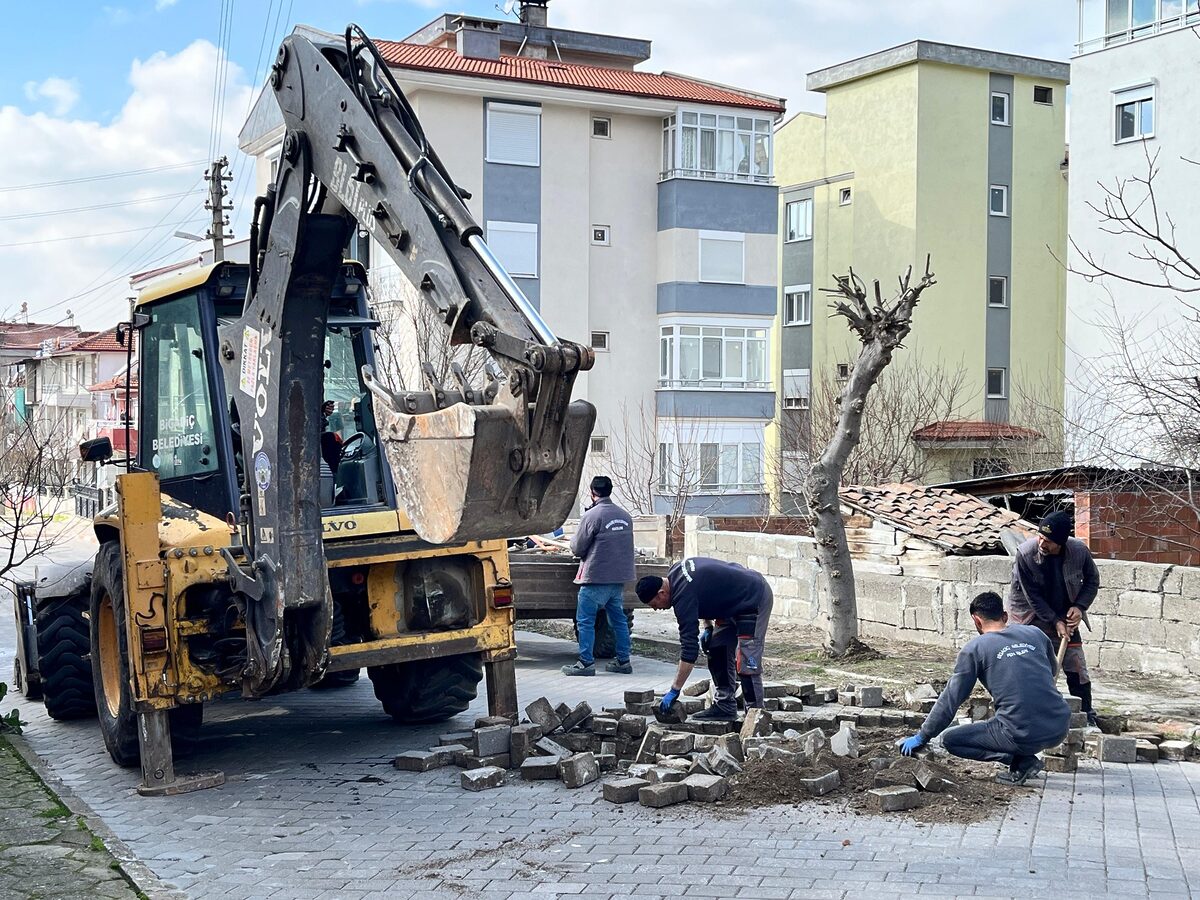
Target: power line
x,y
57,212
81,180
94,234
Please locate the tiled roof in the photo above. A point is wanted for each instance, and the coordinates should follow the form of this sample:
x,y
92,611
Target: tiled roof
x,y
956,522
98,342
974,431
570,75
117,382
29,335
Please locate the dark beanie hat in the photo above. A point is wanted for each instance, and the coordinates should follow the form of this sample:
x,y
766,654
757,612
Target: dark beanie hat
x,y
1056,526
647,587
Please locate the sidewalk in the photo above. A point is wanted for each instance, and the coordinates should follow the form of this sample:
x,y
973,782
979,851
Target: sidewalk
x,y
45,850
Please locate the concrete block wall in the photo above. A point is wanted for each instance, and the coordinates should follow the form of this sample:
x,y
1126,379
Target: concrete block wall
x,y
1146,617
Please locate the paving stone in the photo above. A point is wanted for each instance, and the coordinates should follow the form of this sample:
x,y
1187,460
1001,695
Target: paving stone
x,y
648,749
541,712
870,696
697,688
632,726
829,695
489,721
846,698
1181,750
891,799
578,770
1078,720
1061,763
623,790
722,762
551,747
1116,749
577,741
540,768
677,743
607,761
700,766
418,761
813,742
563,710
799,689
639,697
491,740
604,726
702,743
522,740
756,724
482,779
692,705
455,737
614,712
732,744
1147,751
664,775
642,709
822,784
576,716
675,714
706,788
641,770
932,777
845,741
891,718
777,754
447,755
1075,704
870,718
656,796
791,704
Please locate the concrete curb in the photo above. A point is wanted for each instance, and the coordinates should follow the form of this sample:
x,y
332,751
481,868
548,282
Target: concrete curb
x,y
135,870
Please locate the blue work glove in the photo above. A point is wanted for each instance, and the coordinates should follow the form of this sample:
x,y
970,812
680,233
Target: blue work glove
x,y
705,638
668,698
911,745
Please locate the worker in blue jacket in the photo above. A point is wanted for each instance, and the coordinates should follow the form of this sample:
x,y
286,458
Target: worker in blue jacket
x,y
735,603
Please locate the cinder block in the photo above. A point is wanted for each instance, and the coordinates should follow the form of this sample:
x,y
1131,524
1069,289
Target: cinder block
x,y
576,716
892,799
870,696
639,697
1116,749
578,770
706,788
604,726
623,790
993,569
656,796
540,768
541,712
482,779
418,761
491,740
822,784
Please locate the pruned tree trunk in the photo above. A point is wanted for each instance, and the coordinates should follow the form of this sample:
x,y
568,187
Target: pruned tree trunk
x,y
881,328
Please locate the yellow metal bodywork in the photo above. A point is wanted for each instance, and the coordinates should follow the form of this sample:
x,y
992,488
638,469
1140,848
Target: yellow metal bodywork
x,y
169,548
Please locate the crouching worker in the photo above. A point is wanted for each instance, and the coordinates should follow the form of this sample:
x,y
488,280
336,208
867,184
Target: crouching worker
x,y
1017,664
738,602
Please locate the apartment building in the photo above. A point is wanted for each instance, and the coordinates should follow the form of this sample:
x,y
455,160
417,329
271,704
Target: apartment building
x,y
637,210
1134,104
945,151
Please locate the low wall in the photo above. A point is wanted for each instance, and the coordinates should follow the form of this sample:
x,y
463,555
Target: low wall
x,y
1146,617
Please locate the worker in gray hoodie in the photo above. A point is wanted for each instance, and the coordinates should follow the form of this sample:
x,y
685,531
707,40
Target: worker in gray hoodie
x,y
1017,664
604,541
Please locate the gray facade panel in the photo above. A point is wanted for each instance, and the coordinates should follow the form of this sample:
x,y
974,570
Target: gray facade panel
x,y
997,333
995,410
532,289
721,299
514,194
796,347
797,263
718,206
756,405
716,505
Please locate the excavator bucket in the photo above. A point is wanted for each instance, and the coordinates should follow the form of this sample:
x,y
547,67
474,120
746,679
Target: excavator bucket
x,y
455,472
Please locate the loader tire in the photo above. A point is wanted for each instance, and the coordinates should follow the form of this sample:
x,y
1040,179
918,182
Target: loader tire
x,y
110,669
337,637
427,690
605,645
63,647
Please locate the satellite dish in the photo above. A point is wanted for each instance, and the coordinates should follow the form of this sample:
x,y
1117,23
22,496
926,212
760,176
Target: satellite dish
x,y
509,6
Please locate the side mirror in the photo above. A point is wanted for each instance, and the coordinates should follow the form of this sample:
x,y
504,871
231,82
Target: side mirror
x,y
97,450
122,334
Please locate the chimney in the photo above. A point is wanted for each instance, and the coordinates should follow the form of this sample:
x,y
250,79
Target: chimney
x,y
533,12
478,39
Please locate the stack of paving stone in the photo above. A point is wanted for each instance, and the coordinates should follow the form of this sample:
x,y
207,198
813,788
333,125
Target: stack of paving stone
x,y
1147,746
1064,757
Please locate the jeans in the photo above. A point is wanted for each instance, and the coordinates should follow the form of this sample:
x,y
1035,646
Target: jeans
x,y
989,742
592,599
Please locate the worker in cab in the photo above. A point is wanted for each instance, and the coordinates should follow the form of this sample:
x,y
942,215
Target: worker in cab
x,y
735,604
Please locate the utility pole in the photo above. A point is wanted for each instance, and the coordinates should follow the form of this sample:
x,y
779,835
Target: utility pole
x,y
216,178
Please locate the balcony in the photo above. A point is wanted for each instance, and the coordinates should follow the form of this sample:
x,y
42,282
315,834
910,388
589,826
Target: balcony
x,y
679,384
1107,23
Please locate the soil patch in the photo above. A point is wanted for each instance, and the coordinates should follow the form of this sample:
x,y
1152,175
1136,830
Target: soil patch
x,y
974,797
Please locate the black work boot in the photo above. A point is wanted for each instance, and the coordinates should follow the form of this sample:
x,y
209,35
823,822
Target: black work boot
x,y
717,713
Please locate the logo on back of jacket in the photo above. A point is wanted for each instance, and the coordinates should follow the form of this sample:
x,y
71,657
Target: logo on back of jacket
x,y
617,525
1009,651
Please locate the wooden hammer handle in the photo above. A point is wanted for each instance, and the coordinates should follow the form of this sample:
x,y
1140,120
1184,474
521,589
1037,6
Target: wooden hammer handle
x,y
1062,650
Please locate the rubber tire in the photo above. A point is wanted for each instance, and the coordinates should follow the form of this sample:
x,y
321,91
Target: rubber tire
x,y
605,645
120,731
337,638
64,644
427,690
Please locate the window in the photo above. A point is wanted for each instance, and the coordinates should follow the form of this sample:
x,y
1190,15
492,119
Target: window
x,y
999,108
601,127
1043,95
711,356
513,134
998,200
600,235
723,147
799,215
599,443
997,290
844,197
987,466
843,371
722,257
599,340
997,384
796,388
797,304
724,462
1134,114
516,246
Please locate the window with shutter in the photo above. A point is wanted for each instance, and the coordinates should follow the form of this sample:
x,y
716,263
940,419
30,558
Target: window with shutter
x,y
722,257
516,246
513,134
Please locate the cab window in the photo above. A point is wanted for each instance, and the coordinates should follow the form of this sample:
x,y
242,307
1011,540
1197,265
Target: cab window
x,y
351,462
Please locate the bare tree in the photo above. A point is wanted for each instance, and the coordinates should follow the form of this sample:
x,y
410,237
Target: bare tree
x,y
881,327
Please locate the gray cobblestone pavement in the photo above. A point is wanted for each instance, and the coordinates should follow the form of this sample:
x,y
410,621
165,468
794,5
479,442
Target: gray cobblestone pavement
x,y
312,808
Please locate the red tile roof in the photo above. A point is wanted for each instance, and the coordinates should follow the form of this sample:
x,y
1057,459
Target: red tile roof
x,y
96,342
956,522
974,431
570,75
29,335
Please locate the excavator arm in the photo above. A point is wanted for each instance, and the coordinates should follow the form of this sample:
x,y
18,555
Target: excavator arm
x,y
469,463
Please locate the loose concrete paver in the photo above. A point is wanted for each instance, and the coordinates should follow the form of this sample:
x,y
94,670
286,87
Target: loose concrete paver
x,y
313,807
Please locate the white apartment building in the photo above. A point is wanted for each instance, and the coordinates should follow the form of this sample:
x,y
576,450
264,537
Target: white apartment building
x,y
636,210
1133,101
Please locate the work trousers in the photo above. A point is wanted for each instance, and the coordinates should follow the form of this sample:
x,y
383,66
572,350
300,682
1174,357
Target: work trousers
x,y
989,742
732,656
592,599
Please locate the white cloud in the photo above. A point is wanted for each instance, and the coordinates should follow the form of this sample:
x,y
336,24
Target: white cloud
x,y
770,47
117,15
164,121
160,5
63,94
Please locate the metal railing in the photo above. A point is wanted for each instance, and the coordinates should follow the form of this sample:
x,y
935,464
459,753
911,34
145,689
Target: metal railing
x,y
89,500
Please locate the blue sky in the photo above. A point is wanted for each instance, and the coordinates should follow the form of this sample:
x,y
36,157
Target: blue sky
x,y
127,86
